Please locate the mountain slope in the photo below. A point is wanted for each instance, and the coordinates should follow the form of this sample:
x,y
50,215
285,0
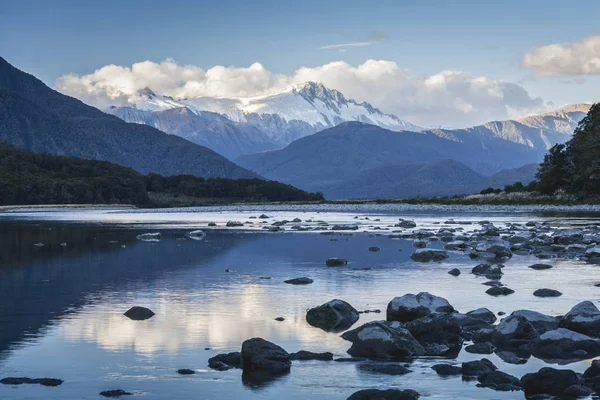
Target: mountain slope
x,y
37,118
330,157
257,123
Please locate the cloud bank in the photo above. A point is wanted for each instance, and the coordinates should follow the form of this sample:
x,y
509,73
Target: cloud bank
x,y
577,58
447,98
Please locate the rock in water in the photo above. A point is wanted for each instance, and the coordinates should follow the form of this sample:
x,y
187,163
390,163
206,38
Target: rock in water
x,y
264,358
539,267
226,361
428,254
383,340
186,371
483,314
32,381
139,313
499,291
583,318
454,272
563,344
439,334
478,367
389,394
304,355
336,262
499,381
299,281
547,293
447,370
549,381
384,368
196,235
409,307
115,393
335,315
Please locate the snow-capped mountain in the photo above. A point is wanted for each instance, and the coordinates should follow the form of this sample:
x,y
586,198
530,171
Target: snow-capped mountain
x,y
256,123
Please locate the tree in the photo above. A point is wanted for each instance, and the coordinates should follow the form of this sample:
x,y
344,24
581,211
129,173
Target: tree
x,y
584,151
555,172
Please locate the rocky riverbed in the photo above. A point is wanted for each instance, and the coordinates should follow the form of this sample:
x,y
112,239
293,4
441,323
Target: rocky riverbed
x,y
301,304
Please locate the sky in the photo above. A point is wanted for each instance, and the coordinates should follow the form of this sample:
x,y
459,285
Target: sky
x,y
433,62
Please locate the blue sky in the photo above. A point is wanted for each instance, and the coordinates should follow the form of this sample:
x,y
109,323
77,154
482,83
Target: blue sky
x,y
480,38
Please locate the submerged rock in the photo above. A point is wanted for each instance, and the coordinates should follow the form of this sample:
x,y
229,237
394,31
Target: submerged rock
x,y
222,362
32,381
428,254
383,340
336,262
196,235
384,368
335,315
409,307
115,393
186,371
137,313
539,267
389,394
374,249
299,281
304,355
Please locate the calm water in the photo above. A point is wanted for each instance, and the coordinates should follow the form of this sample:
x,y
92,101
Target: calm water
x,y
61,306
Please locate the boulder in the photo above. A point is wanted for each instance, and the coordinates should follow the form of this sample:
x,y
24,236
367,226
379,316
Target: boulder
x,y
483,314
196,235
388,394
563,344
583,318
591,376
439,334
409,307
469,324
480,348
499,291
384,368
233,224
374,249
429,254
447,369
335,315
577,392
547,293
299,281
548,381
499,251
336,262
493,271
477,367
137,313
149,237
383,340
406,224
304,355
513,331
263,357
541,322
454,272
499,381
222,362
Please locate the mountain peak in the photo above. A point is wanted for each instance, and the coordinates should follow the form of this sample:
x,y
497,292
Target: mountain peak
x,y
147,92
316,90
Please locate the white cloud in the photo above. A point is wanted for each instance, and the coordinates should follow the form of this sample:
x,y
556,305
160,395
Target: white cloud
x,y
577,58
449,98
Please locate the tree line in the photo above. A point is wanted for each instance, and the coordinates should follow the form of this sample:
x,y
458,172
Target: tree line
x,y
28,178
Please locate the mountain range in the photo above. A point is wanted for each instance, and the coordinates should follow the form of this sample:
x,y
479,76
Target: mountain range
x,y
37,118
240,126
343,160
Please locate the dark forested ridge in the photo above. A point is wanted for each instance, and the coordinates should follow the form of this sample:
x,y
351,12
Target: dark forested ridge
x,y
37,118
36,178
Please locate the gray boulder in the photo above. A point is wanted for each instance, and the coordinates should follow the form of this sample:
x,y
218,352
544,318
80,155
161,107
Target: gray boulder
x,y
388,394
549,381
335,315
478,367
336,262
439,334
409,307
483,314
428,254
499,381
563,344
383,340
263,357
583,318
513,331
